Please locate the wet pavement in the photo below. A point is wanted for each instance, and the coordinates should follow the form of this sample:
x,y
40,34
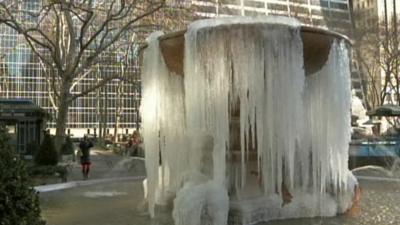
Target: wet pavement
x,y
106,164
121,203
105,204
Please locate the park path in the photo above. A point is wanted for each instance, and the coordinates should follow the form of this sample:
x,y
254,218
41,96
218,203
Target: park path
x,y
107,164
121,203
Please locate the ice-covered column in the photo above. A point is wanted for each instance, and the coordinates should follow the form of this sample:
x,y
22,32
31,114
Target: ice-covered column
x,y
328,115
163,126
153,68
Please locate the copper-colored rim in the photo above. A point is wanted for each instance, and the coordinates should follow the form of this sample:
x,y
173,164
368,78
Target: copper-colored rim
x,y
316,43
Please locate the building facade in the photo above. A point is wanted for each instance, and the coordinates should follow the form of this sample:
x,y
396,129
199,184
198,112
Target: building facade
x,y
333,14
22,76
329,14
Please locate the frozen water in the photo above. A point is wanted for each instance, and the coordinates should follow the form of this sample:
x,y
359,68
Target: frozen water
x,y
163,125
358,109
205,203
297,125
327,133
98,194
153,64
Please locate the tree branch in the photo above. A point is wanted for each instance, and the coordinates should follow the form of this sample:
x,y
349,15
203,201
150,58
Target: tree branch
x,y
98,85
80,79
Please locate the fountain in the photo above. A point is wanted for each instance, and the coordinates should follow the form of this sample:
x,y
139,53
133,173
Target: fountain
x,y
247,120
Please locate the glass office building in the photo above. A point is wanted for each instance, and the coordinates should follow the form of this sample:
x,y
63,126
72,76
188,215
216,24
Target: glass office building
x,y
22,76
333,14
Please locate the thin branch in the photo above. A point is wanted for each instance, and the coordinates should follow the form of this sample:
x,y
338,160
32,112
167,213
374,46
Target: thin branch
x,y
51,77
93,88
80,79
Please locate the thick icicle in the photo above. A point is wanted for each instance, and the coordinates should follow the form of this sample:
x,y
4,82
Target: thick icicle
x,y
163,122
201,204
328,97
153,64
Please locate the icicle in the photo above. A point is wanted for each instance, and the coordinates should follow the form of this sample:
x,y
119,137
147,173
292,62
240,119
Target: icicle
x,y
152,66
163,122
328,98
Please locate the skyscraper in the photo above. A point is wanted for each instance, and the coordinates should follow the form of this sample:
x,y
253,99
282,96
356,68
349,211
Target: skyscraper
x,y
22,75
333,14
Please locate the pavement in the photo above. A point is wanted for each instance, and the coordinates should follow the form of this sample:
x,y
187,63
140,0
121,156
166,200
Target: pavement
x,y
121,203
107,164
110,196
106,167
113,195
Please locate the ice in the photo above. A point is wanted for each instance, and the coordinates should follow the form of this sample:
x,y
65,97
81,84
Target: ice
x,y
153,64
205,203
297,124
163,126
327,102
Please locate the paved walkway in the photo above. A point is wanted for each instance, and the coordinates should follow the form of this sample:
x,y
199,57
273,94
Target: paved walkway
x,y
106,164
121,203
106,167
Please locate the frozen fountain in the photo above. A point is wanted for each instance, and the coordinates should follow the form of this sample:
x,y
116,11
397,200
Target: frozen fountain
x,y
247,120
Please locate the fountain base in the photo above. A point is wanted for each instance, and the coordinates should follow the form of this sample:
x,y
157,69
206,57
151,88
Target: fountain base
x,y
263,209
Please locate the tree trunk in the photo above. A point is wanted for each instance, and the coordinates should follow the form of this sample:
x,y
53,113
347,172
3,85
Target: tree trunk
x,y
105,111
116,126
99,109
99,113
118,111
62,115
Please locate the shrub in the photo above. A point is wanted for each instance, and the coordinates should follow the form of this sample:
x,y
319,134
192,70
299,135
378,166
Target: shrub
x,y
48,171
32,148
68,147
47,154
116,148
19,202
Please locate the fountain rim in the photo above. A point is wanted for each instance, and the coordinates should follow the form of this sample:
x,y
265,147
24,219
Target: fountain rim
x,y
303,28
315,56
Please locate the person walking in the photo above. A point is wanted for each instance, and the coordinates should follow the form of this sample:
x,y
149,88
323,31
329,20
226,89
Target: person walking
x,y
85,146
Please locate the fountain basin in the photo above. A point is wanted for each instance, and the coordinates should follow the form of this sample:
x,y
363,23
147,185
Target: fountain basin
x,y
316,42
248,108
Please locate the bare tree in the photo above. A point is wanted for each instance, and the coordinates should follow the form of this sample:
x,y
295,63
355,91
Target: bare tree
x,y
119,104
4,71
366,49
68,36
377,51
3,75
176,15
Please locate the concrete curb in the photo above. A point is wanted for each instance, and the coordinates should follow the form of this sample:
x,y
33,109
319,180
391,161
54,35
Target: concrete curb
x,y
72,184
378,178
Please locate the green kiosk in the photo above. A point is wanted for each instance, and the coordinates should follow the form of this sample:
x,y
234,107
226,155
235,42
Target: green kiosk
x,y
25,122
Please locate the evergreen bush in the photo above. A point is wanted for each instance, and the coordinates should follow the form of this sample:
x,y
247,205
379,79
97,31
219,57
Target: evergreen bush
x,y
68,147
32,148
47,154
36,171
19,202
